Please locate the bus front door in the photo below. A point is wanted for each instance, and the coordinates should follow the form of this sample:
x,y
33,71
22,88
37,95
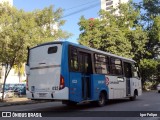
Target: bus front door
x,y
86,71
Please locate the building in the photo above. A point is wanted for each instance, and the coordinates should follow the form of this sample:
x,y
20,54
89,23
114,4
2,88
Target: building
x,y
108,5
7,1
13,76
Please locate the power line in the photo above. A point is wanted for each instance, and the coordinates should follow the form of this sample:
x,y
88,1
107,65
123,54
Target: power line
x,y
80,5
83,9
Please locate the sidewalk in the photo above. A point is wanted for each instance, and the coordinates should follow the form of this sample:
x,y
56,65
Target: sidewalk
x,y
18,101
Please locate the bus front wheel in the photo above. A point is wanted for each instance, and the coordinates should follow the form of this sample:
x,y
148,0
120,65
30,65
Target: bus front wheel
x,y
102,99
133,97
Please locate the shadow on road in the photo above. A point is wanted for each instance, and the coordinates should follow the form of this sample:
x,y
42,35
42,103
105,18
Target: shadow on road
x,y
84,106
85,109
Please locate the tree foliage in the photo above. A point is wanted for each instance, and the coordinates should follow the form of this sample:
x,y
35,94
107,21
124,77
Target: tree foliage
x,y
149,67
114,33
127,34
20,29
152,7
151,24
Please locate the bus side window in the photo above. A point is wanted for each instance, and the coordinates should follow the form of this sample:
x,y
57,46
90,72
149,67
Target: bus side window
x,y
73,59
115,66
101,64
127,70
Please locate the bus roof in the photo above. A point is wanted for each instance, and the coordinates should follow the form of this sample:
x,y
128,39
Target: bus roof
x,y
84,47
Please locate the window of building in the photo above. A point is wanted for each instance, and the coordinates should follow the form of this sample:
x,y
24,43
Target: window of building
x,y
101,64
108,8
109,3
116,66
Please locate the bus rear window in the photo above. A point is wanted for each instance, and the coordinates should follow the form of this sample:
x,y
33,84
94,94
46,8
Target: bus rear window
x,y
52,50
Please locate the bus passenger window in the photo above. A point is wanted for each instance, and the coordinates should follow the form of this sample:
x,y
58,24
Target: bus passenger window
x,y
127,70
116,66
84,63
73,59
101,64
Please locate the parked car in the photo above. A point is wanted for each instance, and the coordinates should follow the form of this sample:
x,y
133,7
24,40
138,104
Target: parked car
x,y
13,90
158,88
20,90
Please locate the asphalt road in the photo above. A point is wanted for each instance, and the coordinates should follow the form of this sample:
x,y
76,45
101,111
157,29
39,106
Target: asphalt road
x,y
147,104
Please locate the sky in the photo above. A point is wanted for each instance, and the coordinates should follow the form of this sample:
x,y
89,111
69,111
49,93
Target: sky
x,y
86,8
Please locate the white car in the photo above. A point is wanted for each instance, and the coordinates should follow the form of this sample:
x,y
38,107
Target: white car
x,y
158,88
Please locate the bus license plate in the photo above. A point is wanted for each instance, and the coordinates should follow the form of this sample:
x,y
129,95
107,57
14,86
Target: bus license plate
x,y
42,94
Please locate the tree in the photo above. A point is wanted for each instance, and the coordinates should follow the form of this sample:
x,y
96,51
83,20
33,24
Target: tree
x,y
153,44
152,7
20,29
20,70
149,70
138,39
150,21
132,34
119,34
113,33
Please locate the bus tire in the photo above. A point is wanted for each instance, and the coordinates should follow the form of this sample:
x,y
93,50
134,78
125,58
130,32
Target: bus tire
x,y
133,97
102,99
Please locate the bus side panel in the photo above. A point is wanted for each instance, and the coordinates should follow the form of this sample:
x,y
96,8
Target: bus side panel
x,y
136,84
75,91
117,87
64,65
98,84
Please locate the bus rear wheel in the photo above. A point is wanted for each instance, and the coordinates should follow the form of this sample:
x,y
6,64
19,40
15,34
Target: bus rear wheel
x,y
102,99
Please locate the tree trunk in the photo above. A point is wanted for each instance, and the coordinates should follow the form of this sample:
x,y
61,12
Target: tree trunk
x,y
19,74
7,70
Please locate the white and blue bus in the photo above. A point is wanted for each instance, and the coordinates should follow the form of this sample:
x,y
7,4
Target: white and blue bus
x,y
74,73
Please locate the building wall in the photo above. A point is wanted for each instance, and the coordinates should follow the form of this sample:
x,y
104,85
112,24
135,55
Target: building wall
x,y
109,4
13,76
